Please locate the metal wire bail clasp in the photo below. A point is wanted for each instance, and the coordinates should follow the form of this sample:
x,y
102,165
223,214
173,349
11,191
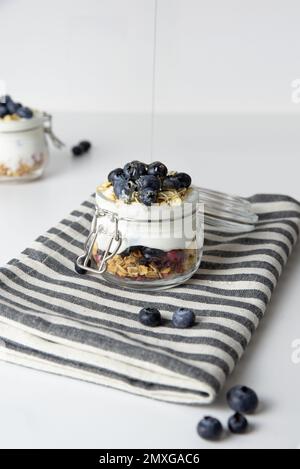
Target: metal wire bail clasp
x,y
97,228
49,131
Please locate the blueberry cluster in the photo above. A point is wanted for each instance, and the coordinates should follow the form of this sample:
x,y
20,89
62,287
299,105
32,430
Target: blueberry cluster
x,y
239,398
81,148
145,181
181,319
9,107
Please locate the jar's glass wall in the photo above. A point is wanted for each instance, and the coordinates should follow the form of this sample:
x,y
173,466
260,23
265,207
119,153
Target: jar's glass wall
x,y
154,254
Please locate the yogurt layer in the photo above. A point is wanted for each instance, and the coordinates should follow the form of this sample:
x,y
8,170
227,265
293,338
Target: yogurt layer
x,y
161,226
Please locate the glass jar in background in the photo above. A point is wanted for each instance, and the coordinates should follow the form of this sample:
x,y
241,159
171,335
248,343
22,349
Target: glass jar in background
x,y
23,147
145,248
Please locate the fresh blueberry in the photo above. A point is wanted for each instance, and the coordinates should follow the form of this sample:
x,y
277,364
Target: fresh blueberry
x,y
85,145
157,169
114,174
135,169
184,179
237,423
127,191
150,317
11,106
242,399
24,112
209,428
6,99
183,318
124,188
118,185
3,110
170,183
77,151
148,182
148,197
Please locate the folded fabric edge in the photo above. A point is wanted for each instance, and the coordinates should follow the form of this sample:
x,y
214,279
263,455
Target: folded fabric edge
x,y
52,364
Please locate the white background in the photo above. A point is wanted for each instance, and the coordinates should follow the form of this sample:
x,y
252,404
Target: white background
x,y
224,73
96,55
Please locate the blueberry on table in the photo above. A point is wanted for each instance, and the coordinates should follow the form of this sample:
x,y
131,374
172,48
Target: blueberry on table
x,y
148,197
85,145
183,318
148,182
77,150
135,169
24,112
157,169
150,317
209,428
3,110
237,423
242,399
114,174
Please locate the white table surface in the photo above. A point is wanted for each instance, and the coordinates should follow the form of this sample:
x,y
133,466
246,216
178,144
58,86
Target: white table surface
x,y
238,154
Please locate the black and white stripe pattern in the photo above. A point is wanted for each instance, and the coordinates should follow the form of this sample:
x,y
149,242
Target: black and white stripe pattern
x,y
53,319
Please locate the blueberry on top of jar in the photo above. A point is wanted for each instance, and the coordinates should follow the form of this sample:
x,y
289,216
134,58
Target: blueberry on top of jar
x,y
135,169
157,169
3,110
148,196
124,188
148,182
140,182
8,107
170,183
114,174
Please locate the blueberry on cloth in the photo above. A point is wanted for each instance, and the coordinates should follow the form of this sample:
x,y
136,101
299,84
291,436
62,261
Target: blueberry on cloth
x,y
134,169
77,151
242,399
3,110
114,174
157,169
24,112
150,317
237,423
148,197
85,145
183,318
209,428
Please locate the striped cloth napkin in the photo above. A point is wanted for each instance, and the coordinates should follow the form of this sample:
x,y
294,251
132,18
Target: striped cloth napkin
x,y
54,320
